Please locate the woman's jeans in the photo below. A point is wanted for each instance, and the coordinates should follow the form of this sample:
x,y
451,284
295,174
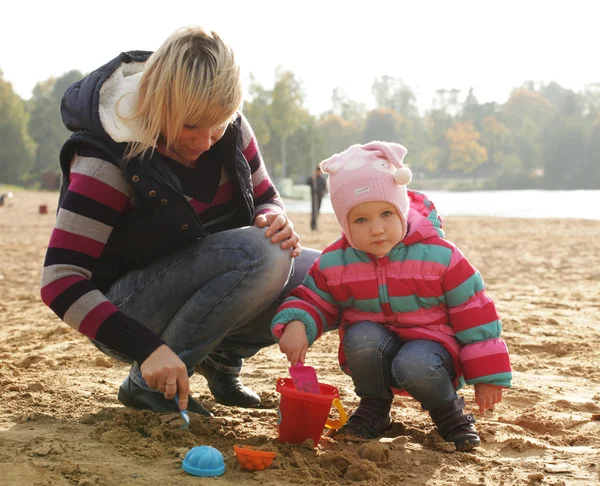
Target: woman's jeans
x,y
379,361
213,296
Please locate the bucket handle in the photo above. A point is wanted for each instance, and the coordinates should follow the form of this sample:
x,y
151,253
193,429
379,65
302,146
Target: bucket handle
x,y
337,424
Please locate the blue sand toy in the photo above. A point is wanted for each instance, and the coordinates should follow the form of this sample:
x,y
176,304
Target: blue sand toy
x,y
184,415
203,461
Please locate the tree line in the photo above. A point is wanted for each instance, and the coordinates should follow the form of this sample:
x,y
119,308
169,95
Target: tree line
x,y
544,136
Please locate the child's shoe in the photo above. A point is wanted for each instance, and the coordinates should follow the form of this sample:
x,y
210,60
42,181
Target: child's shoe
x,y
455,426
370,420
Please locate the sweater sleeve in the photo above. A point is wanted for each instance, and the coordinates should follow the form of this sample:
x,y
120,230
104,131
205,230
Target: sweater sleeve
x,y
312,304
266,197
96,197
484,355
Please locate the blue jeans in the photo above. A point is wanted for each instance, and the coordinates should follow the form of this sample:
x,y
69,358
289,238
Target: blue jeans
x,y
213,296
379,361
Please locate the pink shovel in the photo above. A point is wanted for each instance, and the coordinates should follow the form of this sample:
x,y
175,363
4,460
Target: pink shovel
x,y
304,378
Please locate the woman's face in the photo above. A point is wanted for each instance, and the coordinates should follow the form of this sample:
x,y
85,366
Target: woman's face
x,y
193,141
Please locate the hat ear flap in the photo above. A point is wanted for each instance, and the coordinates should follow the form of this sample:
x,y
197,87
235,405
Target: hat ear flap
x,y
403,176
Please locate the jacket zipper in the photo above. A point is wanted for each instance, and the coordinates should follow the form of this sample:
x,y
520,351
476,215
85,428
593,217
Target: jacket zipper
x,y
381,281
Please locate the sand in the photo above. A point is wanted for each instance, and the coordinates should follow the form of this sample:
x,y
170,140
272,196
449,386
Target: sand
x,y
61,423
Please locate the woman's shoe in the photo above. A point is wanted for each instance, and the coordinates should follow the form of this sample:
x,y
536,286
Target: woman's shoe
x,y
227,388
455,426
134,396
370,420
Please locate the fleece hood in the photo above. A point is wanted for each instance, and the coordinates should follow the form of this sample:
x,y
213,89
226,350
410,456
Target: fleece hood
x,y
90,104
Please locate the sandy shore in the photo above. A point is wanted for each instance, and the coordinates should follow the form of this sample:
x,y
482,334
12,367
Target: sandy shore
x,y
61,423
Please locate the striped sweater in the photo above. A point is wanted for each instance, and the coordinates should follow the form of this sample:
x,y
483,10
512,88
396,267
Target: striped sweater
x,y
424,288
97,197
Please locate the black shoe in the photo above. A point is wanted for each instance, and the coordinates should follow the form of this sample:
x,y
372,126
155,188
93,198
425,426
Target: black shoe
x,y
455,426
227,388
134,396
370,420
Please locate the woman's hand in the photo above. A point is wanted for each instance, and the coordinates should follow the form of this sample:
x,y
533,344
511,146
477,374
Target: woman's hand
x,y
293,342
487,396
163,370
280,229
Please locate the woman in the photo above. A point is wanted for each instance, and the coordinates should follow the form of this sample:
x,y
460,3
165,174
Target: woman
x,y
171,248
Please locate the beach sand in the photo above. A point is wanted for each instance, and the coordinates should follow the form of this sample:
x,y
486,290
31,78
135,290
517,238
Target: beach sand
x,y
61,423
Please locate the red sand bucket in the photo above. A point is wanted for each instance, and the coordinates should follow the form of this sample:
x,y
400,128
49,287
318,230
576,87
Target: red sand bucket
x,y
303,415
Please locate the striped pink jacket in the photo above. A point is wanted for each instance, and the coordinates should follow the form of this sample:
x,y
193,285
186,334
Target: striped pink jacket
x,y
424,288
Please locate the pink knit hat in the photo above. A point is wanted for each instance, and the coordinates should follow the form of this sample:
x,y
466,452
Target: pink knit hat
x,y
363,173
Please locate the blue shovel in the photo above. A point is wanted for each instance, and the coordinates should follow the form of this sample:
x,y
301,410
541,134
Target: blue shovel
x,y
184,415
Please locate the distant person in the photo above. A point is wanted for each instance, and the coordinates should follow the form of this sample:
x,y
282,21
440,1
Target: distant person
x,y
412,312
172,248
318,189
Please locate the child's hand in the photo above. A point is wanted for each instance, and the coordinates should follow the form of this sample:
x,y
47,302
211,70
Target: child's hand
x,y
487,396
294,343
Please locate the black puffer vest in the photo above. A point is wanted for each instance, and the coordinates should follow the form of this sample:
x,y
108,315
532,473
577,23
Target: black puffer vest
x,y
162,219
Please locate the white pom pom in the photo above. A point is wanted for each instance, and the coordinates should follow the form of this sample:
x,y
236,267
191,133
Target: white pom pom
x,y
403,176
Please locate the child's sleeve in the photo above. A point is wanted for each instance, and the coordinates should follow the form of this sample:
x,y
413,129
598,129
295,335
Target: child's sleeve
x,y
484,355
312,304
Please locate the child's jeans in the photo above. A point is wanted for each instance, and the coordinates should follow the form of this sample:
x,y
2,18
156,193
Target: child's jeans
x,y
378,361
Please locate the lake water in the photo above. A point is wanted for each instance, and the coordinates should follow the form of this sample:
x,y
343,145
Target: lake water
x,y
514,204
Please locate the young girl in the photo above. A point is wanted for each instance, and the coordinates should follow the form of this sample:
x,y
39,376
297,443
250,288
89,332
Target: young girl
x,y
412,312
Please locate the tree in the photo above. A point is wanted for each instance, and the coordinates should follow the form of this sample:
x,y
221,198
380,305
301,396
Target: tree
x,y
63,82
562,99
471,109
305,149
591,168
346,108
384,124
565,141
525,113
17,148
591,97
287,110
46,128
475,112
393,94
466,154
257,111
338,134
495,137
447,101
46,125
564,154
435,157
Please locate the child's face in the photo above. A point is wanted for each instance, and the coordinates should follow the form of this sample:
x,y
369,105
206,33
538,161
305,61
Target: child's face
x,y
375,227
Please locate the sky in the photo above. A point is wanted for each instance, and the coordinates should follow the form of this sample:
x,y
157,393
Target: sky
x,y
492,46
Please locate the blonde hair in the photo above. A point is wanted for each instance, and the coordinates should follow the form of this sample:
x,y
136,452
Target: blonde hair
x,y
192,79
